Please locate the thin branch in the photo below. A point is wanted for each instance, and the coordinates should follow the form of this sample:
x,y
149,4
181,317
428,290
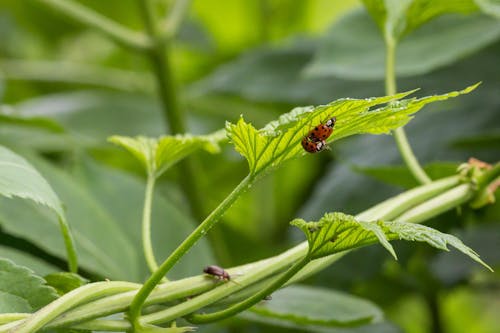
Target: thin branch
x,y
90,18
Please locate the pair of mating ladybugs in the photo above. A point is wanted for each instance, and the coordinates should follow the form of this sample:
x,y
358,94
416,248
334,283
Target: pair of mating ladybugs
x,y
314,141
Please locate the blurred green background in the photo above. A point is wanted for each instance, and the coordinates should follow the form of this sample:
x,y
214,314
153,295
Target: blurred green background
x,y
64,88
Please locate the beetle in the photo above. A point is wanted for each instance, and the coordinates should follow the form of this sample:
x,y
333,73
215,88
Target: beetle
x,y
217,272
312,146
323,131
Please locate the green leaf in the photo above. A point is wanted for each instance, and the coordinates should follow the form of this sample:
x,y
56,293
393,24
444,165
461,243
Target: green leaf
x,y
397,18
491,7
105,207
157,155
312,305
399,175
21,290
336,232
37,122
353,49
64,282
280,140
19,179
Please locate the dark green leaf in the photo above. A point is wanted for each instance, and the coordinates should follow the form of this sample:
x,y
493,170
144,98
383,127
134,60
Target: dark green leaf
x,y
311,305
105,208
21,290
353,49
401,176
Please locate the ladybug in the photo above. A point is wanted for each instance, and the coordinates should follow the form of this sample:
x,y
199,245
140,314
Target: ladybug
x,y
217,272
311,145
323,131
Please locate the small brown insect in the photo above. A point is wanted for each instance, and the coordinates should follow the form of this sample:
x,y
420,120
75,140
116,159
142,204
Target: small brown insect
x,y
217,272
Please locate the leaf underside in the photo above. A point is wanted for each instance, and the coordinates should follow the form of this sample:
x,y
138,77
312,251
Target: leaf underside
x,y
336,232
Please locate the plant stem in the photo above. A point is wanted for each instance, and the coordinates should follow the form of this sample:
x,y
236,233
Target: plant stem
x,y
69,244
201,230
167,89
399,134
88,17
146,225
256,298
77,296
177,13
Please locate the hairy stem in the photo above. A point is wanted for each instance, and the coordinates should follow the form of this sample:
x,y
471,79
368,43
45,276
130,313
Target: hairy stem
x,y
200,231
146,225
399,134
90,18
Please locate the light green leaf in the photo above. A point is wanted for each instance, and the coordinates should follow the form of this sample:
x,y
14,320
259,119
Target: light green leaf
x,y
397,18
21,290
336,232
491,7
157,155
280,140
19,179
64,282
312,305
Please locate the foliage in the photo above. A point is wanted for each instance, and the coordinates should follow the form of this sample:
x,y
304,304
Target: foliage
x,y
154,77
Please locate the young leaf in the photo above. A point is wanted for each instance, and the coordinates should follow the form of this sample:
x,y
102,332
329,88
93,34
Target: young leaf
x,y
280,140
64,282
312,305
157,155
397,18
336,232
21,290
19,179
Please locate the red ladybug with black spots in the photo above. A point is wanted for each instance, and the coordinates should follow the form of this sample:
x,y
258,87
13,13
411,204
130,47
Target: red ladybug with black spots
x,y
314,141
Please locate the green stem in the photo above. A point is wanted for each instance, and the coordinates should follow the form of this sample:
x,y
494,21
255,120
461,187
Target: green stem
x,y
146,225
249,302
77,296
88,17
200,231
167,89
399,134
174,19
438,204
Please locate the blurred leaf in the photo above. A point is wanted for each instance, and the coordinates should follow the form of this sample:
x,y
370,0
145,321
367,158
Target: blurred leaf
x,y
451,268
104,207
491,7
157,329
304,305
482,141
21,290
279,140
38,122
157,155
37,265
353,49
336,232
401,176
19,179
64,282
278,322
91,115
399,17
